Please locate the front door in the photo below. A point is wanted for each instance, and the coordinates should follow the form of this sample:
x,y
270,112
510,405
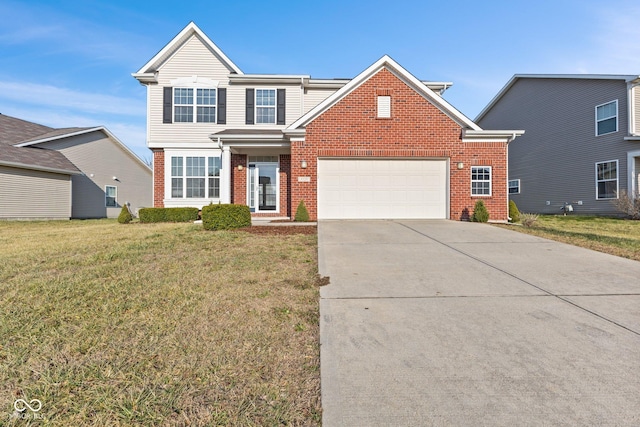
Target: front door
x,y
263,187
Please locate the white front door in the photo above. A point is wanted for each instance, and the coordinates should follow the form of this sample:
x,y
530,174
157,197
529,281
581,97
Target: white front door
x,y
262,191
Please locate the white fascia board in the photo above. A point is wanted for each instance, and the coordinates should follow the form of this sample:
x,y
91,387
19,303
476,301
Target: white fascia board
x,y
182,145
85,131
326,83
145,78
268,78
39,168
255,144
507,136
385,62
182,36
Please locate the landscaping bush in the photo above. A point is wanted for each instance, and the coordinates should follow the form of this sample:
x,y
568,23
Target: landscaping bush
x,y
480,212
627,205
528,220
148,215
225,217
125,216
514,213
302,215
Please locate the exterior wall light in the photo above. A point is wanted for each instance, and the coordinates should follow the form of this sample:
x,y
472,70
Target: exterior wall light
x,y
240,167
303,164
460,165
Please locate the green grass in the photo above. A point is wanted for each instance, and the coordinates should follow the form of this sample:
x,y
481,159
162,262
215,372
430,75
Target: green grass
x,y
158,324
615,236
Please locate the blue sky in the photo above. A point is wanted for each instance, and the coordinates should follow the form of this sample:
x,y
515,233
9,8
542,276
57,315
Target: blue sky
x,y
69,63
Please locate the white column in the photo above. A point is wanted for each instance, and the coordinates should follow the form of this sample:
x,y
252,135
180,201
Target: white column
x,y
225,179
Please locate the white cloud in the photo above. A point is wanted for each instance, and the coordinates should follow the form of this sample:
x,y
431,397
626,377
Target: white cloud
x,y
46,95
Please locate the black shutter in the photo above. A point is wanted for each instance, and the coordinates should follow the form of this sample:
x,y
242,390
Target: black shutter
x,y
250,107
167,105
222,106
280,113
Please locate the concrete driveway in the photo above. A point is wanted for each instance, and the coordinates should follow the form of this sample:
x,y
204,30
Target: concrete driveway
x,y
453,323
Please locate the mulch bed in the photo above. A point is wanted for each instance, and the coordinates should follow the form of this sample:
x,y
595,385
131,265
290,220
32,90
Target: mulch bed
x,y
282,230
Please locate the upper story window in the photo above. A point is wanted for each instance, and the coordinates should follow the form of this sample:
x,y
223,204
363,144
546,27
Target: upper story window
x,y
607,118
183,105
266,106
481,181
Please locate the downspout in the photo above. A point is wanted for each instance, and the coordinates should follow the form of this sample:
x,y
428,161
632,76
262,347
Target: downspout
x,y
511,138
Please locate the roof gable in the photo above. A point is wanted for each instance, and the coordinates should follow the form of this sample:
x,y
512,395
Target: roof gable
x,y
395,68
147,72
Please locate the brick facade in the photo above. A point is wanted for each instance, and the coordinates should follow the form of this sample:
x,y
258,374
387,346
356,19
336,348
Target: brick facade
x,y
416,129
158,178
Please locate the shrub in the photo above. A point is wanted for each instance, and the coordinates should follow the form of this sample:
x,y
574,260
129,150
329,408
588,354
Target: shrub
x,y
225,217
125,216
302,215
627,205
514,213
480,212
168,214
528,220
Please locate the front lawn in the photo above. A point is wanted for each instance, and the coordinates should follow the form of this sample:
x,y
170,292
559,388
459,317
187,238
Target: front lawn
x,y
157,324
614,236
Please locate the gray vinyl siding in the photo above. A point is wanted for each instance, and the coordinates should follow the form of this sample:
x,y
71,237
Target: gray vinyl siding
x,y
555,158
30,194
96,154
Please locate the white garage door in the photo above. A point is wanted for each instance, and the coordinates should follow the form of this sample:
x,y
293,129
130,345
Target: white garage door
x,y
382,189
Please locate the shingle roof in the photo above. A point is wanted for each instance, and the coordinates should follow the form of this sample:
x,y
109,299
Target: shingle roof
x,y
36,158
15,131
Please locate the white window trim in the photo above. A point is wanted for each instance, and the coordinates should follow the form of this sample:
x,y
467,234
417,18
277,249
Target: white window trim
x,y
184,200
115,198
616,116
509,186
490,182
256,106
617,178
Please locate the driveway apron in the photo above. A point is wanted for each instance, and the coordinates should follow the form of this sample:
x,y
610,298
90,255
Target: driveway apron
x,y
453,323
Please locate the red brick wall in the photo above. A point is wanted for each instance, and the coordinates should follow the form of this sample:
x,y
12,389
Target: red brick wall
x,y
239,179
416,129
158,178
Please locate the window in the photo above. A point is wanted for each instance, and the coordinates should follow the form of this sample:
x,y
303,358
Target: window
x,y
110,193
514,186
266,106
183,105
195,177
384,107
176,177
607,180
607,118
206,105
481,181
214,177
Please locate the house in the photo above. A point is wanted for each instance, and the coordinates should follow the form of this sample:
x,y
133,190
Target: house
x,y
48,173
381,145
582,141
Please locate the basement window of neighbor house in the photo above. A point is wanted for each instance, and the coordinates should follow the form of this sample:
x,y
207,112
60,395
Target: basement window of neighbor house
x,y
110,194
514,186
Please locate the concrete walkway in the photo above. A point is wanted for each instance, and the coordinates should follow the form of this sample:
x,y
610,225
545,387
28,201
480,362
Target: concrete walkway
x,y
451,323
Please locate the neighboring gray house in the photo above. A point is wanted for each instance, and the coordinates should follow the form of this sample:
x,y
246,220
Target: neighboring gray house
x,y
48,173
581,143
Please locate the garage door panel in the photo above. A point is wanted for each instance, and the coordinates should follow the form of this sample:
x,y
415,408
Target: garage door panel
x,y
381,189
